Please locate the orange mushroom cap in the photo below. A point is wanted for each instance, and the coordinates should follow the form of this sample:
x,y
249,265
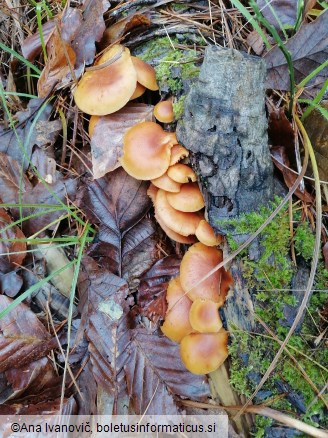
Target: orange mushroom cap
x,y
206,235
178,221
178,152
166,183
203,353
146,151
197,262
163,111
146,74
188,199
92,123
176,325
139,91
187,240
204,316
181,173
107,89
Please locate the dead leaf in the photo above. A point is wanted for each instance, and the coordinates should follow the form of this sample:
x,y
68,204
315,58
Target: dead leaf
x,y
61,57
40,194
8,245
255,40
44,132
153,285
51,407
106,323
23,338
127,242
11,181
155,374
121,27
32,46
281,160
316,126
10,283
90,32
280,130
107,137
308,49
283,10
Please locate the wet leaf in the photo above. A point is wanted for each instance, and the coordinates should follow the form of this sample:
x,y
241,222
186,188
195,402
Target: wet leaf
x,y
31,46
280,130
308,49
281,160
42,133
12,182
153,285
107,137
106,324
90,32
316,126
279,13
10,283
155,374
23,338
126,243
8,245
40,194
51,407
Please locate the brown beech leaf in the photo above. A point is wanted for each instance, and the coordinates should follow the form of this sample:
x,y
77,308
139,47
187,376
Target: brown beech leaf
x,y
153,285
11,181
106,323
316,126
107,137
61,56
32,46
255,40
23,338
40,194
10,282
51,407
121,27
280,159
285,10
280,130
155,374
44,133
8,245
308,49
126,243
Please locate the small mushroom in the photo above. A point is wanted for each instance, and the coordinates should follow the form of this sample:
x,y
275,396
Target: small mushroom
x,y
166,183
178,152
206,235
146,151
108,89
197,262
204,316
163,111
203,353
181,173
146,74
188,199
180,222
176,325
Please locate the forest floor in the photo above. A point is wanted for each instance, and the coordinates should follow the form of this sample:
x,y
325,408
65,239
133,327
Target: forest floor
x,y
84,265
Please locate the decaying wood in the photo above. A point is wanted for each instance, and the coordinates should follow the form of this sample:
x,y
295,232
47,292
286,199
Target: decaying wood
x,y
225,127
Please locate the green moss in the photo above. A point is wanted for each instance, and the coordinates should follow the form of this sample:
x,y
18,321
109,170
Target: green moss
x,y
178,107
269,280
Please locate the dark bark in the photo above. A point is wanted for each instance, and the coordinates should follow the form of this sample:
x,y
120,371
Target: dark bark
x,y
225,127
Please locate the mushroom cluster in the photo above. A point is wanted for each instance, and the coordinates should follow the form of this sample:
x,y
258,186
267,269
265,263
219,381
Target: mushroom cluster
x,y
192,318
114,80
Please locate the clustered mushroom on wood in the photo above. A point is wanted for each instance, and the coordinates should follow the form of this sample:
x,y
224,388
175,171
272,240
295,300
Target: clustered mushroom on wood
x,y
150,153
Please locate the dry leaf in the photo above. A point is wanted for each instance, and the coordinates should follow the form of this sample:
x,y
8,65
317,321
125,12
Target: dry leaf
x,y
11,181
280,130
107,137
8,245
32,46
308,49
283,10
